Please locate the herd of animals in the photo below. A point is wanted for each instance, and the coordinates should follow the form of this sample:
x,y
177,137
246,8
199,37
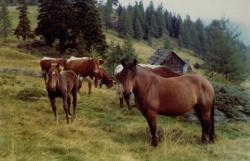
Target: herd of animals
x,y
156,89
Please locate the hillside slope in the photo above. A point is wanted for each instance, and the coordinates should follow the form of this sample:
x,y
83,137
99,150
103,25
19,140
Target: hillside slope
x,y
102,131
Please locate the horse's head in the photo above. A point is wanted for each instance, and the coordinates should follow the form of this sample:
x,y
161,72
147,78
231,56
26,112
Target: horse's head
x,y
95,65
127,77
53,74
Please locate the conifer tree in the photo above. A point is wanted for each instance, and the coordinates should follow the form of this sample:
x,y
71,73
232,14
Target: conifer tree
x,y
88,23
137,26
224,54
23,27
150,21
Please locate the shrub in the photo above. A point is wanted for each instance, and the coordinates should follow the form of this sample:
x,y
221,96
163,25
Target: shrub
x,y
231,99
31,94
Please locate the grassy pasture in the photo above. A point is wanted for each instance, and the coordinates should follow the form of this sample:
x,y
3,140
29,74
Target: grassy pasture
x,y
102,131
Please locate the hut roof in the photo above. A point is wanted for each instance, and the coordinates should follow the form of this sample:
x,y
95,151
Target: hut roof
x,y
160,55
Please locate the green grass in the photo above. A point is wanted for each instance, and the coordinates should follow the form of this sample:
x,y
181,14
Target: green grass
x,y
102,130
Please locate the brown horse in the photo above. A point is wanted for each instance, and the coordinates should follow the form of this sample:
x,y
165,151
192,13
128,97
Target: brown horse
x,y
61,84
45,64
103,78
169,96
159,70
84,66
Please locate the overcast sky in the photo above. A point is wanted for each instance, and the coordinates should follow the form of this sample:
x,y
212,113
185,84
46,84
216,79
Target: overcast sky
x,y
236,10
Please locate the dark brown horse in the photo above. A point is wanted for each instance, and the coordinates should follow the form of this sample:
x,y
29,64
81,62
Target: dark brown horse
x,y
62,84
103,78
169,96
159,70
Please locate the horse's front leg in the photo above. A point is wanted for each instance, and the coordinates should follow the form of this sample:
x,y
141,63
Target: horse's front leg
x,y
74,103
65,106
69,103
53,105
151,119
128,103
89,84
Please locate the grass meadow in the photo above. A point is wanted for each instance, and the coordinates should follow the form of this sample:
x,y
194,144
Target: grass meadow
x,y
102,130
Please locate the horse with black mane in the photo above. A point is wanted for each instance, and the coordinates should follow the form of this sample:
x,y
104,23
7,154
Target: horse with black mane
x,y
62,84
169,96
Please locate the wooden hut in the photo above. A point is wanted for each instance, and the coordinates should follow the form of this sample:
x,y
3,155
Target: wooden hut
x,y
171,60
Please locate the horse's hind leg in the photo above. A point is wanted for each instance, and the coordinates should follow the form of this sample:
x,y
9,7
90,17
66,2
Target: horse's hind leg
x,y
204,119
151,119
69,102
212,135
207,125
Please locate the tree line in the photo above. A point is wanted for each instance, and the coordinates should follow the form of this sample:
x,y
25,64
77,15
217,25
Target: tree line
x,y
217,43
79,24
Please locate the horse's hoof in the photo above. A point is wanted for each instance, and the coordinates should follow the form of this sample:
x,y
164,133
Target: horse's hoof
x,y
155,141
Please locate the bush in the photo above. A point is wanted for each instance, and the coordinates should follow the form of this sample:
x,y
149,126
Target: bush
x,y
31,94
231,100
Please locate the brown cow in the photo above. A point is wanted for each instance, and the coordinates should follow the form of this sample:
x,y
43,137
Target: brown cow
x,y
46,61
84,66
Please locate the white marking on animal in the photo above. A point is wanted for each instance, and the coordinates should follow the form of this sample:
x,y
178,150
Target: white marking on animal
x,y
47,58
119,67
77,58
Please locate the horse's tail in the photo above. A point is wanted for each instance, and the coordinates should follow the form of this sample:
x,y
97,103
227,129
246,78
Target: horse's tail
x,y
212,127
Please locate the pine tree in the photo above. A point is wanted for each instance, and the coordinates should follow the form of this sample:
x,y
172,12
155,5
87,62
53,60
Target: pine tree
x,y
125,26
4,20
224,55
167,42
107,11
150,22
137,26
200,45
161,23
54,20
128,49
88,23
114,56
23,28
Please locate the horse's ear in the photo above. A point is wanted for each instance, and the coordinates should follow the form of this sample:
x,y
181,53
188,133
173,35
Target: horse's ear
x,y
134,62
124,63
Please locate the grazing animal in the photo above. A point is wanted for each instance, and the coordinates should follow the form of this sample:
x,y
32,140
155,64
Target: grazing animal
x,y
169,96
62,84
103,78
45,64
84,67
159,70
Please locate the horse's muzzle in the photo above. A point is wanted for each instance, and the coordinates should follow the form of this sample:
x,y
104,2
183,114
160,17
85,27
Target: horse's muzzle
x,y
126,95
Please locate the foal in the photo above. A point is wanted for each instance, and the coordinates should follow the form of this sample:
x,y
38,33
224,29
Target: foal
x,y
61,84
